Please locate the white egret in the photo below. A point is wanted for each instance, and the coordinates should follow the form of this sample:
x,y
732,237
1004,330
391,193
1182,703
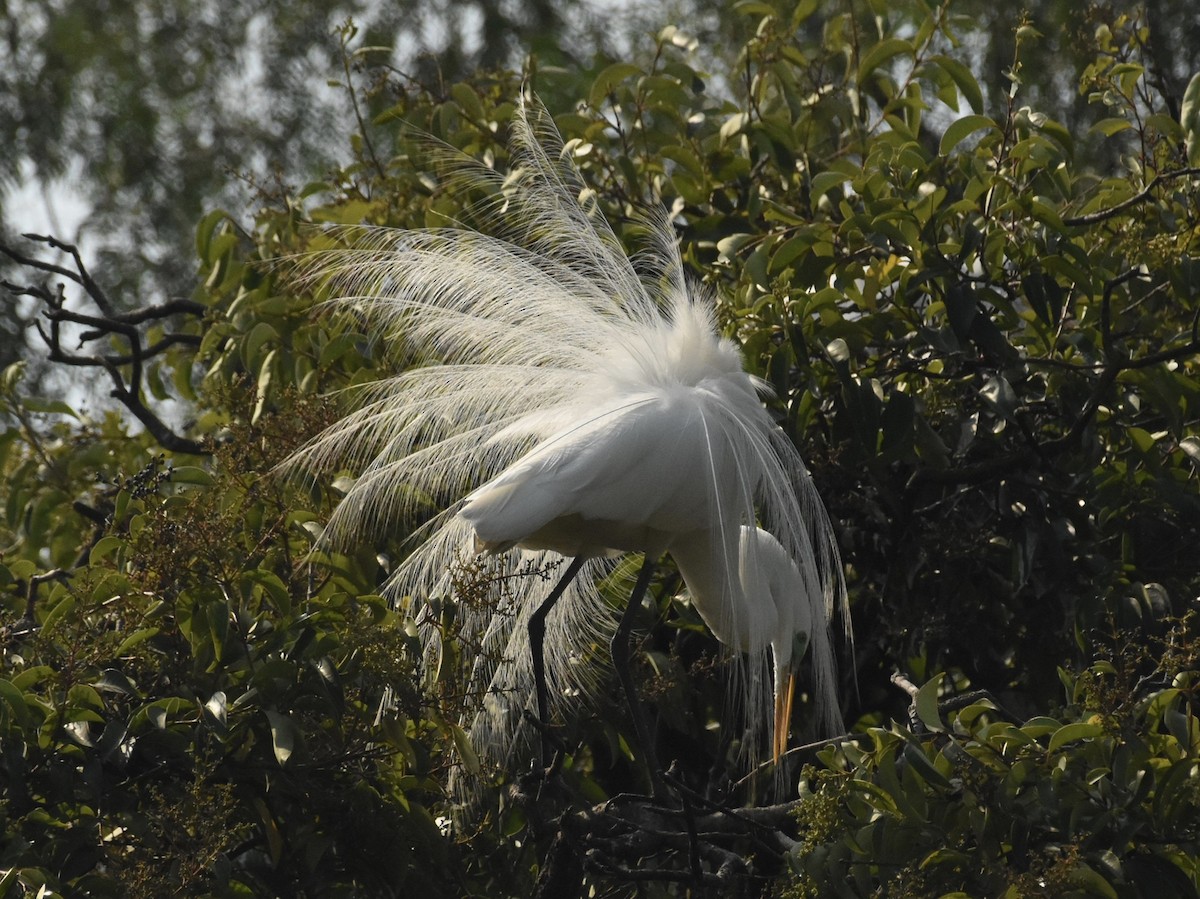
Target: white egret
x,y
564,401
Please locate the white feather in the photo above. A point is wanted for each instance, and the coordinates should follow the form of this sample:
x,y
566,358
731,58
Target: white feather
x,y
565,401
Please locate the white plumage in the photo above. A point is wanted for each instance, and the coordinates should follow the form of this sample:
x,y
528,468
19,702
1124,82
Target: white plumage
x,y
561,400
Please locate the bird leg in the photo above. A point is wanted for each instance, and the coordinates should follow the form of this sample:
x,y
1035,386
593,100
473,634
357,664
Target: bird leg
x,y
620,648
537,635
551,768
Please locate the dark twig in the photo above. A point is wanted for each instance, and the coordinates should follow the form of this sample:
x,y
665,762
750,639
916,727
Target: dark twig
x,y
637,839
962,700
1115,362
1101,214
31,589
125,370
80,276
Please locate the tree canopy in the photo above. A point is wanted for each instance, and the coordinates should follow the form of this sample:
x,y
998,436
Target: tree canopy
x,y
980,319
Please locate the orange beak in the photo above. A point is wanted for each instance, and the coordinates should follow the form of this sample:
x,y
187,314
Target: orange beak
x,y
784,696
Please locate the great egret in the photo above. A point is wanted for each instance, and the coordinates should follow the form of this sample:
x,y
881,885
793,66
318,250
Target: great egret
x,y
565,402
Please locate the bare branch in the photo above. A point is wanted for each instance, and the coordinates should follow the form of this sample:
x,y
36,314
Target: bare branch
x,y
84,277
40,265
125,370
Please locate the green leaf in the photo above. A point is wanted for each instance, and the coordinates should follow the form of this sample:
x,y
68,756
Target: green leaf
x,y
275,843
33,676
1191,446
960,129
15,698
945,856
141,635
968,87
1110,126
1095,883
114,681
685,157
206,229
466,751
733,125
9,879
1142,439
218,613
1182,725
104,546
804,10
215,714
468,100
262,385
927,703
252,346
755,8
823,182
728,246
61,610
336,348
881,53
915,755
787,252
273,587
1069,733
48,407
191,474
608,79
181,377
395,730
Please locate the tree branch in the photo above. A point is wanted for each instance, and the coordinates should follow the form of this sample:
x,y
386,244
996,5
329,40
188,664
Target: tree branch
x,y
637,839
1103,214
80,276
1100,215
125,370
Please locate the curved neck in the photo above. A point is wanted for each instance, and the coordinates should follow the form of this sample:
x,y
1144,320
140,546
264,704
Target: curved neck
x,y
709,566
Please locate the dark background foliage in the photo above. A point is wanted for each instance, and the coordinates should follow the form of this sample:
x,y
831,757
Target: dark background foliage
x,y
962,248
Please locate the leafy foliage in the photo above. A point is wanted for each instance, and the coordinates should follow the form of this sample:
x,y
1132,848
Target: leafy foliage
x,y
985,342
1098,799
193,693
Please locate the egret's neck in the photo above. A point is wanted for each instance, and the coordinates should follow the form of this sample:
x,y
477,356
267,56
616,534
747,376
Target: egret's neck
x,y
709,566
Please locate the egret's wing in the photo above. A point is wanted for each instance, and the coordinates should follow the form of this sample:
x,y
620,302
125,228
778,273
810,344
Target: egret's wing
x,y
624,479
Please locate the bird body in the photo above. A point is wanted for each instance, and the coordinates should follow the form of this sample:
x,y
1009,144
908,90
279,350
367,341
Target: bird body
x,y
571,404
625,479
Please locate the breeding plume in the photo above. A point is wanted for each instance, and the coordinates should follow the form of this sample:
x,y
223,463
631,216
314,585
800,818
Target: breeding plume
x,y
567,405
